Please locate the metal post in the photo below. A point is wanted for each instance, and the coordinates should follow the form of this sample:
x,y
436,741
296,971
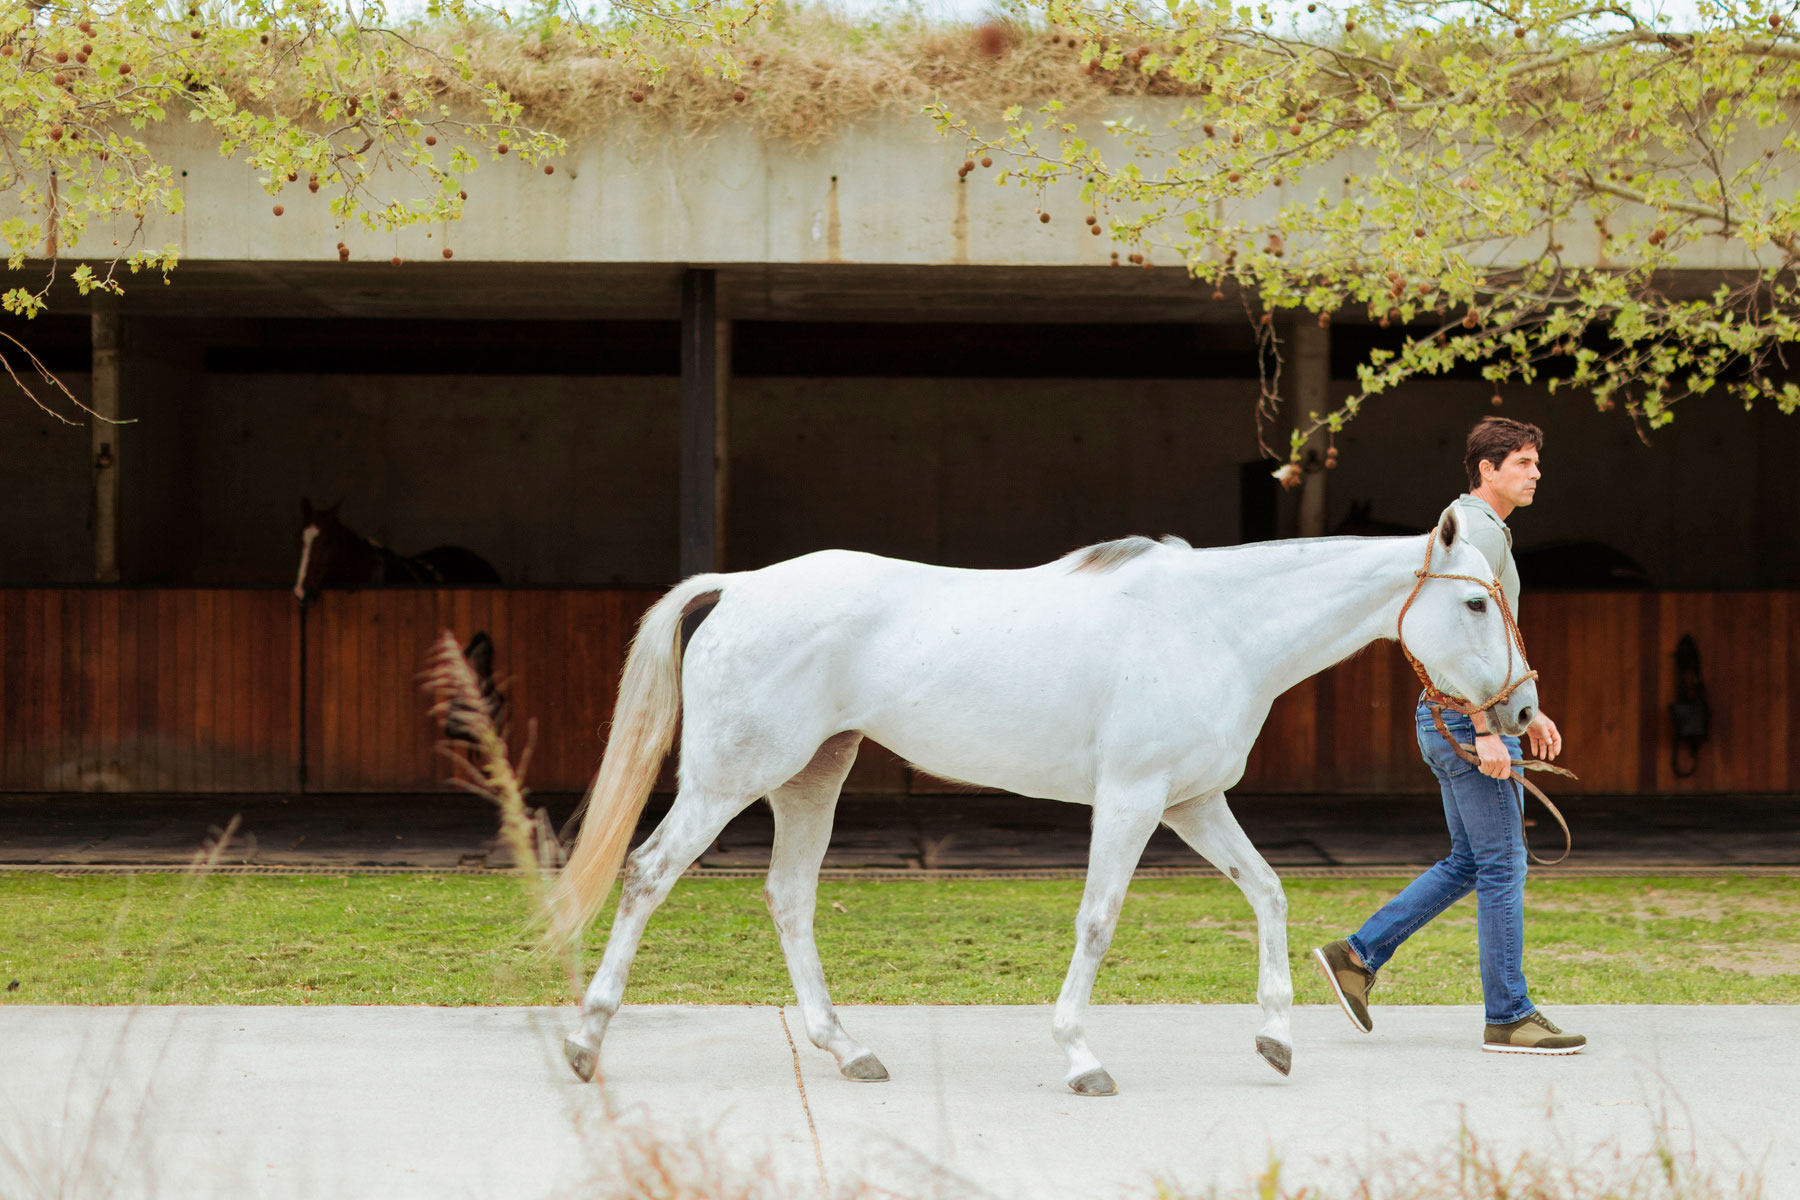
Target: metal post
x,y
700,425
103,438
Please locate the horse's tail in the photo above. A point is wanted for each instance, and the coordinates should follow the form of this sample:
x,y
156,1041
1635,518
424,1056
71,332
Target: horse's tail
x,y
643,725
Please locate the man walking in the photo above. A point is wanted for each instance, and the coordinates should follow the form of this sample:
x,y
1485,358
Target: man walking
x,y
1482,805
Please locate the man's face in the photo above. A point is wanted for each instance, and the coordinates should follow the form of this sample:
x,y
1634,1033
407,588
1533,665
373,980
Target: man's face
x,y
1516,479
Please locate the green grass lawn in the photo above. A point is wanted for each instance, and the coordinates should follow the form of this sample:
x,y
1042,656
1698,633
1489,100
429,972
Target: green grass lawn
x,y
426,939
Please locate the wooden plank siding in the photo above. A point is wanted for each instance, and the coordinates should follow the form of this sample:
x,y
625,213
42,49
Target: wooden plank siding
x,y
557,653
1746,658
148,690
206,690
1606,667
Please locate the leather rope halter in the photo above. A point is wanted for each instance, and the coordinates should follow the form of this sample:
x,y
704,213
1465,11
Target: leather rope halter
x,y
1437,700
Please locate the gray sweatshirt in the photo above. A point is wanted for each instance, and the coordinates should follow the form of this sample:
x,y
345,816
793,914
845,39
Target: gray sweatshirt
x,y
1489,534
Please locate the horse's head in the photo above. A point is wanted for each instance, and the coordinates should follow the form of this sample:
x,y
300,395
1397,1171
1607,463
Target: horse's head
x,y
320,534
1458,628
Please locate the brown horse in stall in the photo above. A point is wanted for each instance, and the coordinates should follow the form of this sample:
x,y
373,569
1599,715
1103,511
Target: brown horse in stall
x,y
334,555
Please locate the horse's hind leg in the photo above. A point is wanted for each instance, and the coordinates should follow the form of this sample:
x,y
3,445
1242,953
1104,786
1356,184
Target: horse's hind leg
x,y
694,820
1207,825
803,810
1122,824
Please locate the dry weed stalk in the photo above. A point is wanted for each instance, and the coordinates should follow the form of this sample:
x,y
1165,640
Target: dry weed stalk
x,y
653,1166
200,868
634,1159
94,1150
1473,1171
646,1163
479,754
483,766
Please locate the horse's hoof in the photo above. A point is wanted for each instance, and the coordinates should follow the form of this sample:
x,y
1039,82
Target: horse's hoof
x,y
1094,1083
1279,1055
865,1068
583,1060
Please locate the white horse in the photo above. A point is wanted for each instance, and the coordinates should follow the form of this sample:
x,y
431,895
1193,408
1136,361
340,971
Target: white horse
x,y
1132,676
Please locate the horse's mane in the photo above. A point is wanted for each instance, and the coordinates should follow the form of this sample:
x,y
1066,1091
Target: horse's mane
x,y
1107,556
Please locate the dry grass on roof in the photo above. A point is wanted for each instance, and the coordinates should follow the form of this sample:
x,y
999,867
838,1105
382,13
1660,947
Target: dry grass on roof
x,y
807,73
809,70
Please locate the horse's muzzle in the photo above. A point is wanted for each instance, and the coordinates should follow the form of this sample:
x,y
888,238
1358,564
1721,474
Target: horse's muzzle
x,y
1512,715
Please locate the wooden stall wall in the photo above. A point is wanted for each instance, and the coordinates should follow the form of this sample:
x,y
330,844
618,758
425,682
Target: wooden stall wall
x,y
209,690
557,656
140,690
1750,658
1606,666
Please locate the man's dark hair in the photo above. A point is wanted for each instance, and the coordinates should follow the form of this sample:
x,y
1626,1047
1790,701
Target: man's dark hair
x,y
1492,439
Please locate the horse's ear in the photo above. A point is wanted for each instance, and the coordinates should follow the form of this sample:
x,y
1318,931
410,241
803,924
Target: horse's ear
x,y
332,512
1448,527
305,509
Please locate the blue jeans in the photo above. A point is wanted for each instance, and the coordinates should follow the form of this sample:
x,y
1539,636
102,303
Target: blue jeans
x,y
1487,856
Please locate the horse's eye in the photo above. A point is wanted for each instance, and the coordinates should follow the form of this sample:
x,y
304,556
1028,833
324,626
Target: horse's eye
x,y
1477,605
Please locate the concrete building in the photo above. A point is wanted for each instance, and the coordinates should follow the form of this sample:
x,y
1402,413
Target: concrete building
x,y
675,354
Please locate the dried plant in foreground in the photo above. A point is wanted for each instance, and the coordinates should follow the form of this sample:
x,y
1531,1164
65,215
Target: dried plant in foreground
x,y
633,1158
99,1142
642,1163
477,749
1472,1170
630,1157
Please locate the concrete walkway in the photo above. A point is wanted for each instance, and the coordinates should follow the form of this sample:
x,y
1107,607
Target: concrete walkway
x,y
442,1103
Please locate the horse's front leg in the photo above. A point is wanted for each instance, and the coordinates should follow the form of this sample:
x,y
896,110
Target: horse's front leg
x,y
1207,825
1123,822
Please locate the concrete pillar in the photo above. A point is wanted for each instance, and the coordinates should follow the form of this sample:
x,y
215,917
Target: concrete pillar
x,y
705,384
103,434
1308,372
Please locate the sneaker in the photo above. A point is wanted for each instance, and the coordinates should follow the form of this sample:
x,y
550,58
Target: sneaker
x,y
1350,982
1533,1034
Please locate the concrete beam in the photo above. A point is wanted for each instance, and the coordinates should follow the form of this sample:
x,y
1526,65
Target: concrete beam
x,y
884,190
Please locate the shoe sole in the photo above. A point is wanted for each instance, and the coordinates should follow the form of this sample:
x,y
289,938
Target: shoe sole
x,y
1338,991
1501,1048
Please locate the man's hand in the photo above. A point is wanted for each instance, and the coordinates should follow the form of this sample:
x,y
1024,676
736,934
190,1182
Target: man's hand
x,y
1545,738
1495,761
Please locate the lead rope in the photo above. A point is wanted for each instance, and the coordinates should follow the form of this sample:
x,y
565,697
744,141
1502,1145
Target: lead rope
x,y
1468,755
1437,700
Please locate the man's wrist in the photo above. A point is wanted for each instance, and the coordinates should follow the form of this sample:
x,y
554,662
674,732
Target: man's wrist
x,y
1487,733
